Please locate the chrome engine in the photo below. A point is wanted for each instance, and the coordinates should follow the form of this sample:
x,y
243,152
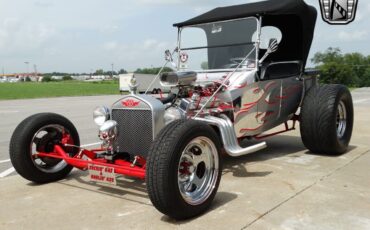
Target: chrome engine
x,y
139,119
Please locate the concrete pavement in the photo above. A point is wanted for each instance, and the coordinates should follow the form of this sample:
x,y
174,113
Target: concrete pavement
x,y
282,187
77,109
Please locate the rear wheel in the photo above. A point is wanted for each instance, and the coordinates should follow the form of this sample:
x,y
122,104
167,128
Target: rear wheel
x,y
40,133
327,119
184,169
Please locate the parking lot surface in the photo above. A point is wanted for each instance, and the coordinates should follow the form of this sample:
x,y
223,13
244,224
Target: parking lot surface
x,y
281,187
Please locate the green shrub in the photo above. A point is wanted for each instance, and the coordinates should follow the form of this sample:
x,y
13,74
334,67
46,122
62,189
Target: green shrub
x,y
67,78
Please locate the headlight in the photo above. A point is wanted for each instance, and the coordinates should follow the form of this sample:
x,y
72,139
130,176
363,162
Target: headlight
x,y
172,114
101,115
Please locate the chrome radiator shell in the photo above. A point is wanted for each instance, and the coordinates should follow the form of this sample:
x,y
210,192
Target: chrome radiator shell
x,y
139,118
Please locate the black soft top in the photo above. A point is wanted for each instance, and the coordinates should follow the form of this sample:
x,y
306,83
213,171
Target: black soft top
x,y
294,18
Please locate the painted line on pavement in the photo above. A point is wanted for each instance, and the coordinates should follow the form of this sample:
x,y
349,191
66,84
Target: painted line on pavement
x,y
360,101
8,111
11,170
4,161
7,172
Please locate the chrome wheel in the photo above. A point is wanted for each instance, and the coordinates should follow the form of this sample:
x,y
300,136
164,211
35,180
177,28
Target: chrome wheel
x,y
44,141
341,119
198,170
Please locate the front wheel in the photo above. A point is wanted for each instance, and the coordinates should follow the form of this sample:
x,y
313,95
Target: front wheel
x,y
184,169
40,133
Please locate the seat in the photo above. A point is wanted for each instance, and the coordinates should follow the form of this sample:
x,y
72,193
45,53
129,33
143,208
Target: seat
x,y
278,70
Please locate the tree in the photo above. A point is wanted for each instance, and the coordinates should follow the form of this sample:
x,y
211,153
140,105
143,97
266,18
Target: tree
x,y
153,70
67,78
99,72
359,64
351,69
122,71
330,55
46,78
334,73
365,80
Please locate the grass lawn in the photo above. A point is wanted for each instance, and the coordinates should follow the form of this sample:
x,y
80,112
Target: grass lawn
x,y
26,90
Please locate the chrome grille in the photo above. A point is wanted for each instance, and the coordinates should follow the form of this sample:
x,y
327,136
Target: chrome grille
x,y
135,131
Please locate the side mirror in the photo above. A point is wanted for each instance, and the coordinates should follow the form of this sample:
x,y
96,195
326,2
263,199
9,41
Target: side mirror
x,y
273,46
168,57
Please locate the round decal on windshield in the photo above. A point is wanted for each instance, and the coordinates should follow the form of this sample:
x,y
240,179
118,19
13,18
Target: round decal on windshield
x,y
184,57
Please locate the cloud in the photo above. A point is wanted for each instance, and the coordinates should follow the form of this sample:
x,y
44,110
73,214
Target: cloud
x,y
144,46
196,5
109,28
109,46
173,2
72,35
43,4
138,54
358,35
17,36
158,2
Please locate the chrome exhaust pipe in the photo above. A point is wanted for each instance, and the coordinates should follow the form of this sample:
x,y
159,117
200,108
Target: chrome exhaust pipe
x,y
228,136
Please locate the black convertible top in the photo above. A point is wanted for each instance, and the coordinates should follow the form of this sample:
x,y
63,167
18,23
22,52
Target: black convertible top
x,y
295,19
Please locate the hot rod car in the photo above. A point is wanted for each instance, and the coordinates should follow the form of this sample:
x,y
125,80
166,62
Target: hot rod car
x,y
239,72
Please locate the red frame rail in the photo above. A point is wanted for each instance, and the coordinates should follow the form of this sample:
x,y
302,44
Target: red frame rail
x,y
120,166
123,167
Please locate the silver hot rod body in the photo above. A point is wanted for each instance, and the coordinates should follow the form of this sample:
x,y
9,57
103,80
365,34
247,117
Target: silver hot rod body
x,y
237,73
235,81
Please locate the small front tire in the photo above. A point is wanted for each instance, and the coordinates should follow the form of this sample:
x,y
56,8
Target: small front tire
x,y
40,133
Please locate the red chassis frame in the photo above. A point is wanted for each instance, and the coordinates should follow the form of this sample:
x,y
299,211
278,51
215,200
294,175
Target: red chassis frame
x,y
123,167
120,166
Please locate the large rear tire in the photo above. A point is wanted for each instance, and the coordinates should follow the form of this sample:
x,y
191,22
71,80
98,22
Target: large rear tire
x,y
327,119
40,133
184,169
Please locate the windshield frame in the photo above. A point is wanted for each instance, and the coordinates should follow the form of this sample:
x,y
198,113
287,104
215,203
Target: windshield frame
x,y
256,44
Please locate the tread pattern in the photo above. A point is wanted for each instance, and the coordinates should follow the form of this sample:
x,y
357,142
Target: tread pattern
x,y
318,119
152,175
163,154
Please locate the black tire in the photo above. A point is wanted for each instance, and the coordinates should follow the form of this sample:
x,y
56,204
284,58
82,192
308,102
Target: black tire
x,y
163,167
20,151
318,122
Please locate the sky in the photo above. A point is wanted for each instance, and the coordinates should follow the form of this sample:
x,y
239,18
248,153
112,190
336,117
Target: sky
x,y
85,35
